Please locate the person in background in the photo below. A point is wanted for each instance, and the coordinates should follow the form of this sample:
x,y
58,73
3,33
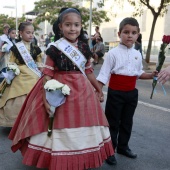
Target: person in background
x,y
51,37
80,137
164,75
3,38
86,37
12,35
7,44
138,44
47,40
41,41
96,35
17,90
4,35
98,50
122,67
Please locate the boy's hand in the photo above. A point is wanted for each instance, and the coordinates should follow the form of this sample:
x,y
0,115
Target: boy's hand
x,y
154,73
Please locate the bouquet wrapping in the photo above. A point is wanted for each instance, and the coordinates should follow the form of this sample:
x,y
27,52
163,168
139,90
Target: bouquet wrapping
x,y
55,95
161,59
12,71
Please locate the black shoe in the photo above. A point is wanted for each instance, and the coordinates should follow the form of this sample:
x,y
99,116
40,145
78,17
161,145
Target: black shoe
x,y
127,153
111,160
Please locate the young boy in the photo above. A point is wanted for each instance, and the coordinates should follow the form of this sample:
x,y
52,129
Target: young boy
x,y
123,65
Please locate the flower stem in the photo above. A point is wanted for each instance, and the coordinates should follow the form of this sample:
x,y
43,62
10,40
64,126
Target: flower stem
x,y
153,85
50,125
152,93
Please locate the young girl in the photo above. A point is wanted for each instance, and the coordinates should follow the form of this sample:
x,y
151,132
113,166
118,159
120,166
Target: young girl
x,y
12,35
8,42
80,137
15,94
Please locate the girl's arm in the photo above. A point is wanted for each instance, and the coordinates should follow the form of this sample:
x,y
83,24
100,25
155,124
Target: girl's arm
x,y
95,84
46,104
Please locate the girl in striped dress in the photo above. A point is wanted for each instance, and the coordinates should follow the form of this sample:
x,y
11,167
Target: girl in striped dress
x,y
80,137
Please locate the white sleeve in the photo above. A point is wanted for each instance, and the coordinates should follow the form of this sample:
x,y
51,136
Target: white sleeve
x,y
105,71
141,71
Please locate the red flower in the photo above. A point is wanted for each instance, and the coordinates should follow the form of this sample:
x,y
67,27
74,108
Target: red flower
x,y
166,39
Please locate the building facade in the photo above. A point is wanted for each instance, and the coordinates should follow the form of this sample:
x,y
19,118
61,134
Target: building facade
x,y
116,14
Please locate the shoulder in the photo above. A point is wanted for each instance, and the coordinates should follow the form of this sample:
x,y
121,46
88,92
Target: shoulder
x,y
52,50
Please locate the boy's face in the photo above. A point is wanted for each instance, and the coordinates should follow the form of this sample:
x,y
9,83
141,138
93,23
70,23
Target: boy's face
x,y
128,35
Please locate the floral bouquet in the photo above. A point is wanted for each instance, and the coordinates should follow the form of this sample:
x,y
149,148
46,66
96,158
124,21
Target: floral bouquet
x,y
161,59
12,71
4,48
55,95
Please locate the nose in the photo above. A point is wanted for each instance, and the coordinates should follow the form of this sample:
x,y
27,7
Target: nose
x,y
130,35
72,27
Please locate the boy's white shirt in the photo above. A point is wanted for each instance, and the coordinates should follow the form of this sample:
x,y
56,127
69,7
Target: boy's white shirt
x,y
122,61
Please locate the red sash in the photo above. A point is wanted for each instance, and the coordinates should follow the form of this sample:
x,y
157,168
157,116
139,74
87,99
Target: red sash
x,y
123,83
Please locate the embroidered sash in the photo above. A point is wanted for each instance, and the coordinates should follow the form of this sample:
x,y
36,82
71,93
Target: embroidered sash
x,y
28,58
71,52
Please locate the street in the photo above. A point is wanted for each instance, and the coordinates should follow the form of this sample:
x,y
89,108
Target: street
x,y
150,136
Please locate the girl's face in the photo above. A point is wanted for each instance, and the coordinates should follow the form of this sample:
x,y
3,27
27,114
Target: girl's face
x,y
12,34
128,35
71,26
28,33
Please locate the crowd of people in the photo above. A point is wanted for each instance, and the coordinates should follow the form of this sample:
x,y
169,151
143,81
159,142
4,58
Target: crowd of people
x,y
83,135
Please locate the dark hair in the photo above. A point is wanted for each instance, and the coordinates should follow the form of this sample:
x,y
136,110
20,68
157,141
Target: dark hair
x,y
82,44
62,13
130,21
22,26
97,27
10,30
98,38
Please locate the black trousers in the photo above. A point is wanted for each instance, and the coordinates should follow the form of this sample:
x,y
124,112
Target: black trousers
x,y
120,108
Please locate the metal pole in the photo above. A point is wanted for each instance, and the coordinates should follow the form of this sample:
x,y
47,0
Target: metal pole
x,y
16,17
90,22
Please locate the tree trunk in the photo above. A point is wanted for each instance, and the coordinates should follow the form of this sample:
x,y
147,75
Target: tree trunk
x,y
148,52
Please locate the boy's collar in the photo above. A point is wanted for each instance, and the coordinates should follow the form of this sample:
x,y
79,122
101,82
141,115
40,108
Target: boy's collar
x,y
124,46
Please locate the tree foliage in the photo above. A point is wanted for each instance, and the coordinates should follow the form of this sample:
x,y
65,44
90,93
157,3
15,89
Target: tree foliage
x,y
49,9
5,19
159,11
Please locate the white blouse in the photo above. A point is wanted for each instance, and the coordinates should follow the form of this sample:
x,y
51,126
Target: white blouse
x,y
123,61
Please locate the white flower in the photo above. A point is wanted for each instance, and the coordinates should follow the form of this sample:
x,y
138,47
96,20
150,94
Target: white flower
x,y
4,47
52,85
66,90
14,68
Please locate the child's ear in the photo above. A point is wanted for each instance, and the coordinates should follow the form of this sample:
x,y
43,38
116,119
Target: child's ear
x,y
60,26
118,34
